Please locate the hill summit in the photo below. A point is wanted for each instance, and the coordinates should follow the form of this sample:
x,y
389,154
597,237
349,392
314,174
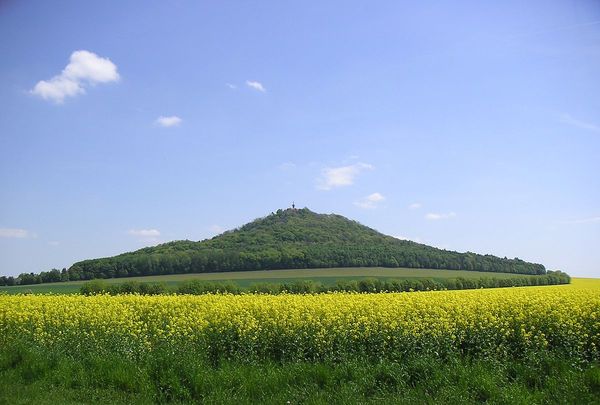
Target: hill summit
x,y
290,239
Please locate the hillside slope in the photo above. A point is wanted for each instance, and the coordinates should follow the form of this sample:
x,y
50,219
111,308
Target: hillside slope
x,y
292,238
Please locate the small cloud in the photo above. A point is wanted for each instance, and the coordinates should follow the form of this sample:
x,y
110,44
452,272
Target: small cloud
x,y
217,229
332,177
436,217
167,122
54,243
583,221
57,89
84,69
418,240
256,86
414,206
370,201
287,166
144,233
231,86
15,233
567,119
375,197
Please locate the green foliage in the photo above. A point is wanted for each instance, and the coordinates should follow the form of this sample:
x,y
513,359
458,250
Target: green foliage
x,y
95,287
131,287
304,286
197,287
46,377
287,239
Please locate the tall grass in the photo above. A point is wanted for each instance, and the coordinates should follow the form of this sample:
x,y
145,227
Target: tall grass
x,y
30,375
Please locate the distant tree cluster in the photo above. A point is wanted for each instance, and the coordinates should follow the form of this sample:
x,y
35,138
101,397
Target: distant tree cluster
x,y
366,285
287,239
4,281
51,276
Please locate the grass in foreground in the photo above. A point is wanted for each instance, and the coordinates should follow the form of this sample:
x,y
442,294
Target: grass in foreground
x,y
32,376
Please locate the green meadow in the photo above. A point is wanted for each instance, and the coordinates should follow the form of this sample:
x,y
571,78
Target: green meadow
x,y
327,276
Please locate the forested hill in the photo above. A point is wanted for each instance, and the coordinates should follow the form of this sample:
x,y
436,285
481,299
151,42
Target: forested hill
x,y
290,239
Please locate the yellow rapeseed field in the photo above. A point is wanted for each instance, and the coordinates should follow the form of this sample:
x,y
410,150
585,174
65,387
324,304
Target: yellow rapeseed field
x,y
479,322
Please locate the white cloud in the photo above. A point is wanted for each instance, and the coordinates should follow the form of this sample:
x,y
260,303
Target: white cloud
x,y
217,229
146,236
414,206
231,86
57,89
418,240
435,217
144,233
256,86
375,197
567,119
54,243
332,177
171,121
84,69
370,201
15,233
87,66
287,166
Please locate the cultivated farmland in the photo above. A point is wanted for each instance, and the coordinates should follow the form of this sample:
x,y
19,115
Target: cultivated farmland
x,y
327,276
184,336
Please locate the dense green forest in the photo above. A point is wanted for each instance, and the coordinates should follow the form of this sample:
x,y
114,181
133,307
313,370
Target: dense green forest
x,y
286,239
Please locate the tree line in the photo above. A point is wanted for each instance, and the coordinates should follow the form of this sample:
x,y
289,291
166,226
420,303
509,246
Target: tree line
x,y
288,257
52,276
366,285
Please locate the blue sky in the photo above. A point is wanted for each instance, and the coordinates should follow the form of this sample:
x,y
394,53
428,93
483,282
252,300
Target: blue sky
x,y
464,125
